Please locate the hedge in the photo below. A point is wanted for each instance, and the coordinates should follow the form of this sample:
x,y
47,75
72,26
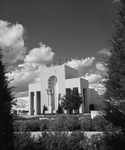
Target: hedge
x,y
58,141
63,124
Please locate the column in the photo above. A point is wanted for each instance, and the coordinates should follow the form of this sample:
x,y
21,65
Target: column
x,y
31,99
50,103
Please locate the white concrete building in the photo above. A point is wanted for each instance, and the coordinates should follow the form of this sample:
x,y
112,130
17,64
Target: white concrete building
x,y
54,83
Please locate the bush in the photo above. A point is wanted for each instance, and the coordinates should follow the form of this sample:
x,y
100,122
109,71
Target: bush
x,y
72,123
23,141
16,126
74,141
98,123
67,123
44,125
86,124
96,142
26,126
55,141
62,141
57,124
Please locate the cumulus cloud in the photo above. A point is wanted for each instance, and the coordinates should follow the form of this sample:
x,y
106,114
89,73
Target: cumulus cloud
x,y
105,52
41,55
29,71
99,88
79,64
20,78
13,49
11,41
100,66
92,78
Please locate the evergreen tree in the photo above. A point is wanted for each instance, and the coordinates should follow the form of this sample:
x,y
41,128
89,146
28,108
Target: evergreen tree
x,y
6,100
60,110
115,83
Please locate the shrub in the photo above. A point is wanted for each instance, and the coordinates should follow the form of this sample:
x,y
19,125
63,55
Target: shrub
x,y
23,141
55,141
67,123
74,141
72,123
57,124
25,126
86,124
16,126
44,125
96,142
60,110
62,141
98,123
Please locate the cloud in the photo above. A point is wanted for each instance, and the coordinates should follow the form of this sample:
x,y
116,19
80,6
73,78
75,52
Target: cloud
x,y
29,71
21,78
104,52
79,64
99,88
11,41
92,78
100,66
115,1
41,55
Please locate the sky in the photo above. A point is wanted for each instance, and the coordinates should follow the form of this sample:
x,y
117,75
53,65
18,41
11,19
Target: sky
x,y
32,32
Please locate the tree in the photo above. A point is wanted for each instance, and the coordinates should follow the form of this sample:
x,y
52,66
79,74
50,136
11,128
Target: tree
x,y
71,101
114,111
60,110
44,109
6,101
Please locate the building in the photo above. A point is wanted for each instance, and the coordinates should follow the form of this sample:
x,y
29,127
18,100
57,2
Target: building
x,y
55,81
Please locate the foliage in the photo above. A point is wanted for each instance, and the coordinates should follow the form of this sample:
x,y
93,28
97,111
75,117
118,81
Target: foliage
x,y
72,124
71,101
25,126
57,124
6,101
115,81
65,124
99,124
59,141
96,142
62,141
44,125
86,124
23,141
75,139
60,110
114,141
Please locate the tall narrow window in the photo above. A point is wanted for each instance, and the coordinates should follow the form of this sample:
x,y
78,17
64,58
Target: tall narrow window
x,y
75,90
84,96
38,103
68,90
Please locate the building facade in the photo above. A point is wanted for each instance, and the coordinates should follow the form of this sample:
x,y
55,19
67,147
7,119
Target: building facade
x,y
55,81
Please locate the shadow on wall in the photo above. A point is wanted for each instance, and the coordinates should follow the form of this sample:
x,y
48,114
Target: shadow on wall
x,y
97,102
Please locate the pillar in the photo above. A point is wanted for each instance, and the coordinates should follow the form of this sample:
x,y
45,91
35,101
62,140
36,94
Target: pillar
x,y
50,104
31,96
